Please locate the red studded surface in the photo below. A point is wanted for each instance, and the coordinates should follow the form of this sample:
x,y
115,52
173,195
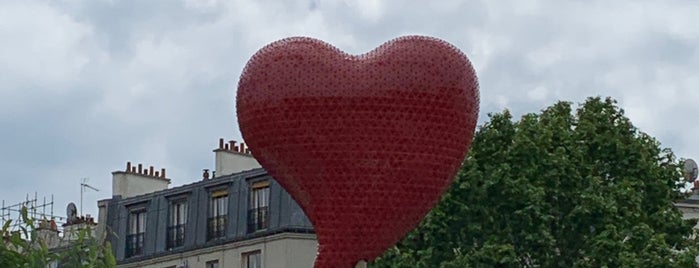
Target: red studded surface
x,y
365,144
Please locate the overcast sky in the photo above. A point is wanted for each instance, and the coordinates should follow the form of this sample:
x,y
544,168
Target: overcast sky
x,y
86,85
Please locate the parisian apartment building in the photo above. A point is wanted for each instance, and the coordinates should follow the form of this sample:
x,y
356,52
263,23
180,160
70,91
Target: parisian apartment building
x,y
233,216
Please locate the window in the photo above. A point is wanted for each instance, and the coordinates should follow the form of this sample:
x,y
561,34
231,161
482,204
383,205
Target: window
x,y
136,233
252,259
218,210
212,264
258,206
177,224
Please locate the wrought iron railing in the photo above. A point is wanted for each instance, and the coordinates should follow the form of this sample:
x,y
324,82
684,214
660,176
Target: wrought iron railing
x,y
134,244
258,219
216,227
175,236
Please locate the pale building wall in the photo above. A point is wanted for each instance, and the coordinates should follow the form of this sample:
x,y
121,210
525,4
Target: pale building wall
x,y
689,211
101,219
70,233
284,250
229,162
130,184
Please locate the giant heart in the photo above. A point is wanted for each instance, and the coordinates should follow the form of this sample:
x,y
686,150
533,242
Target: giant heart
x,y
365,144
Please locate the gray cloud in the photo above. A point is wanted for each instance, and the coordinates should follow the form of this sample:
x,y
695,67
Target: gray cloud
x,y
88,85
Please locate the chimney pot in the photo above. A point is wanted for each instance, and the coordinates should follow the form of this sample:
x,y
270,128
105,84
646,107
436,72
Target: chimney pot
x,y
151,170
206,174
133,169
220,143
231,144
225,146
162,172
242,147
128,166
157,174
140,168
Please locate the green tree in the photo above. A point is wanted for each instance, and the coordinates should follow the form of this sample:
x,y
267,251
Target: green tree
x,y
557,189
87,252
24,248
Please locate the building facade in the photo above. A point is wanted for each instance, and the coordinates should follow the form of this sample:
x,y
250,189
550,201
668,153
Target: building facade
x,y
242,219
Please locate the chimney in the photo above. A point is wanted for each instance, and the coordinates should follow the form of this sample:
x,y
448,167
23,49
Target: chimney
x,y
135,180
102,215
231,158
48,232
232,145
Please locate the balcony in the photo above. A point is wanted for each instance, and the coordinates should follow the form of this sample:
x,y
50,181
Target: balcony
x,y
134,244
258,219
216,227
175,236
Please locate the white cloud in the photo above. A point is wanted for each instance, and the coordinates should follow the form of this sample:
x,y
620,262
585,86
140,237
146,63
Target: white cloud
x,y
537,93
43,52
88,85
47,45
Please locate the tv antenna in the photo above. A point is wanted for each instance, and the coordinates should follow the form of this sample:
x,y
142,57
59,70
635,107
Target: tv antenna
x,y
84,185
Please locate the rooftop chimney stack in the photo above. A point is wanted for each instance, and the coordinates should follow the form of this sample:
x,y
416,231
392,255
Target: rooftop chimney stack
x,y
232,145
135,180
231,158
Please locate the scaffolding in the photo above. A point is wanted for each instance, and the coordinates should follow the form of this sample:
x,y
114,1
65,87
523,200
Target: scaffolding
x,y
35,210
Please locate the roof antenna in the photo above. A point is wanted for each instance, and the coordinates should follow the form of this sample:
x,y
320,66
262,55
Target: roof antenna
x,y
84,185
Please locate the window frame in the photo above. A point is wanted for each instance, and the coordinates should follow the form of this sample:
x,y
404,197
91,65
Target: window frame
x,y
258,205
178,217
246,258
217,212
136,231
210,264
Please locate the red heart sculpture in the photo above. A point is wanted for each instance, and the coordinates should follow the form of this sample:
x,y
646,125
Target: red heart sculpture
x,y
365,144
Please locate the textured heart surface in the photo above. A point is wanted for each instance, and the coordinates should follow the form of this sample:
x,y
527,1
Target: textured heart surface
x,y
366,144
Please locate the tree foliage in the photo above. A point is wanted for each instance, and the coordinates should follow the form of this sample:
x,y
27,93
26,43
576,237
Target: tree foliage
x,y
24,248
557,189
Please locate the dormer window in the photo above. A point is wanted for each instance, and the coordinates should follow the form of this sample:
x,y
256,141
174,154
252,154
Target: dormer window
x,y
136,232
218,213
258,206
177,223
